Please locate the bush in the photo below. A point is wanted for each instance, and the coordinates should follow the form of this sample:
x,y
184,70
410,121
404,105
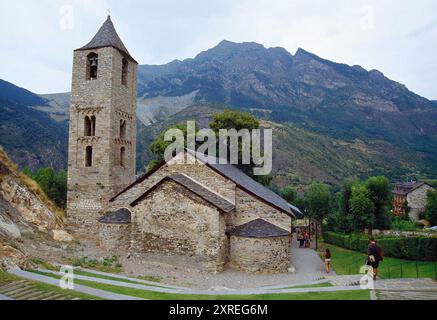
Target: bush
x,y
410,248
404,225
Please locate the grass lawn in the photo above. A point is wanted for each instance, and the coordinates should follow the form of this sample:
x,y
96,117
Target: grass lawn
x,y
5,277
152,295
101,276
318,285
346,261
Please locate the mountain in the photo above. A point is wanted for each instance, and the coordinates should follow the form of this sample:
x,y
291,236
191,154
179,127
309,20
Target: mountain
x,y
301,156
333,99
31,137
332,121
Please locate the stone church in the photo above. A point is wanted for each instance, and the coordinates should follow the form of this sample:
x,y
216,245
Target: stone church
x,y
212,213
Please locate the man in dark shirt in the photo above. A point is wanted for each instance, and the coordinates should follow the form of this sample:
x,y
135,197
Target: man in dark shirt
x,y
374,256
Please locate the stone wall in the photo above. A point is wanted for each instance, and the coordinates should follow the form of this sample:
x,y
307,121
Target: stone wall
x,y
417,201
115,237
260,255
172,220
248,208
196,171
109,101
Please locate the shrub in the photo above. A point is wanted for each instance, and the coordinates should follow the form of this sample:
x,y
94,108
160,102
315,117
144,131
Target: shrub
x,y
404,225
410,248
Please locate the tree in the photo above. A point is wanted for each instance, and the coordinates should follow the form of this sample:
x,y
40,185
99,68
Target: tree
x,y
159,145
229,119
318,199
53,184
406,211
431,207
379,194
232,119
361,208
289,194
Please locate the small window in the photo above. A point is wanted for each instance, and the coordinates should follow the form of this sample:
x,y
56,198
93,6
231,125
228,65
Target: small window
x,y
92,66
89,156
122,156
93,126
124,71
87,127
123,129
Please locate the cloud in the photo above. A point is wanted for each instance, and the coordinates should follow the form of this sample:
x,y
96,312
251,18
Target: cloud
x,y
395,37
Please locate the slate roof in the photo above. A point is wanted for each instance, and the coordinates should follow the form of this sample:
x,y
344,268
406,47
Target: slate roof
x,y
296,211
245,182
238,177
258,228
405,188
212,198
107,37
122,215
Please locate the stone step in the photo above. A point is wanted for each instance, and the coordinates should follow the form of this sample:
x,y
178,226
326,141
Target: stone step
x,y
41,296
12,284
53,297
29,296
18,295
17,289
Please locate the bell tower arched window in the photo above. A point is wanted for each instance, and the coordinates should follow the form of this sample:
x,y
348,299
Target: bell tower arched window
x,y
122,129
89,126
92,66
93,125
124,71
122,156
89,156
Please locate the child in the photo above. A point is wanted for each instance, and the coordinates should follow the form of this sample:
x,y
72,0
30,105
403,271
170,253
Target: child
x,y
328,261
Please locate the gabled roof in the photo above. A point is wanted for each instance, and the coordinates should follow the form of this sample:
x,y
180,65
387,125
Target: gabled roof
x,y
122,215
405,188
107,37
245,182
212,198
296,211
232,173
258,228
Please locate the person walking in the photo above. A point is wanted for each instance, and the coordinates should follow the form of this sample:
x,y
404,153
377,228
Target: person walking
x,y
374,256
328,260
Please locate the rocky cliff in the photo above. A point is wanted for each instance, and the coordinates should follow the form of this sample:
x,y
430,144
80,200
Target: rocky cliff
x,y
25,211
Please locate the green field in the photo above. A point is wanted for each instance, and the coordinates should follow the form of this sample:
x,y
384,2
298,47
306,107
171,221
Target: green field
x,y
346,261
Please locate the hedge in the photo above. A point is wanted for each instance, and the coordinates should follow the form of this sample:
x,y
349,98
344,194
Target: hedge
x,y
410,248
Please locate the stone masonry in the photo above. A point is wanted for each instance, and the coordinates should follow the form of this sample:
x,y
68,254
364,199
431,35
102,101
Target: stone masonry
x,y
185,209
110,102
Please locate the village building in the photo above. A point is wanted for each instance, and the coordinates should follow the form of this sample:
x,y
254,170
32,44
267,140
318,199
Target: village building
x,y
213,213
411,194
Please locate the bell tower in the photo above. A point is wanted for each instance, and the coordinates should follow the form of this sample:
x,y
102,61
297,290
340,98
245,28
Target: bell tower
x,y
102,134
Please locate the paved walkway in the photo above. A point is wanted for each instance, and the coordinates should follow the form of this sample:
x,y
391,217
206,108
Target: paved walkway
x,y
3,297
261,290
308,264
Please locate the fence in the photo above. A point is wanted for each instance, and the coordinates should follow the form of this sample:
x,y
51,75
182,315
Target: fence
x,y
389,270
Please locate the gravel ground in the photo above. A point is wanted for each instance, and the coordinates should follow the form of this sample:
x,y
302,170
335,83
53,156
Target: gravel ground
x,y
173,269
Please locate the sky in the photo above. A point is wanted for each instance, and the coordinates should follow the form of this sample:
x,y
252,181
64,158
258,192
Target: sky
x,y
399,38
